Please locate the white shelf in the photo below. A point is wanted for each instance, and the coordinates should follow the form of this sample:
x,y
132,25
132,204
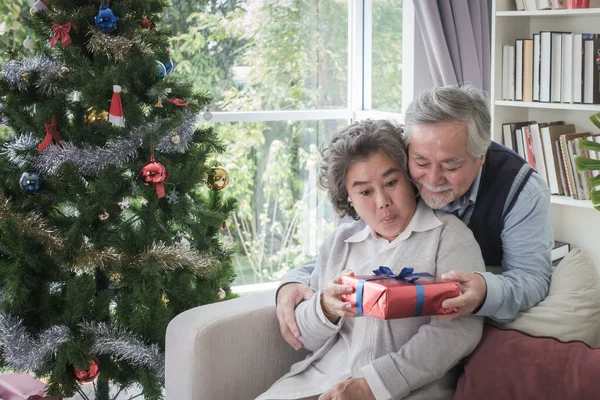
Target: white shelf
x,y
587,12
549,106
569,201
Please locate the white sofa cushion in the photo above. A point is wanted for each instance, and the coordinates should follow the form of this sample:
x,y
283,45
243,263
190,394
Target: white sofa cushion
x,y
571,311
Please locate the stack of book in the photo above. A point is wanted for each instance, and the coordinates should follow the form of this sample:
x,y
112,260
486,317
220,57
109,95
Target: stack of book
x,y
552,67
550,148
531,5
559,251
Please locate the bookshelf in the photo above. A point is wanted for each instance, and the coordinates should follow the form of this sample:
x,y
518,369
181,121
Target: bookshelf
x,y
574,221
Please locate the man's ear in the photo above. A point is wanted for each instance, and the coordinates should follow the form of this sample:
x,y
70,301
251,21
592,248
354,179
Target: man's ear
x,y
482,160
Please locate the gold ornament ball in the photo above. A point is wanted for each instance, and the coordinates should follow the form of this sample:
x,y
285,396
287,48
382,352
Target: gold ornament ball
x,y
222,294
64,69
218,178
175,139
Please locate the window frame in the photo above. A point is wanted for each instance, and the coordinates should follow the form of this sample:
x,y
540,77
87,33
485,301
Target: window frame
x,y
415,77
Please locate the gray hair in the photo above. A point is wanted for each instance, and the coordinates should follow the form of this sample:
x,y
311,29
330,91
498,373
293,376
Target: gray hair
x,y
356,143
454,104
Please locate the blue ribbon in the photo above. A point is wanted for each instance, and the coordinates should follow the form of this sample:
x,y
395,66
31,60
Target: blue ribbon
x,y
407,275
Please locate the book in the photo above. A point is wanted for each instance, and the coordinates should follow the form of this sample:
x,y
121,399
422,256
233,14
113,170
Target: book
x,y
507,136
505,72
567,68
527,69
536,67
530,5
556,67
519,69
538,151
563,171
577,85
544,4
559,250
591,93
550,134
529,156
556,262
545,65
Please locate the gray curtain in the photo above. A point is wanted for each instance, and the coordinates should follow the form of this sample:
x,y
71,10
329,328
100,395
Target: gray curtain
x,y
457,38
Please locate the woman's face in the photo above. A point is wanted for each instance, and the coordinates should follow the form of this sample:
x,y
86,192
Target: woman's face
x,y
381,194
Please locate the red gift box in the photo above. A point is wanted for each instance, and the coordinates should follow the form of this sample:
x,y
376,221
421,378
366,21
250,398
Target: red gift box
x,y
389,296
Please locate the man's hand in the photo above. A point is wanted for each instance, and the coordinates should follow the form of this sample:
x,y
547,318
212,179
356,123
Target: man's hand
x,y
472,293
351,389
288,297
331,299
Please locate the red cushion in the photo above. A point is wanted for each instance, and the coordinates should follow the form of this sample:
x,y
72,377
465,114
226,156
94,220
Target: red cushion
x,y
509,364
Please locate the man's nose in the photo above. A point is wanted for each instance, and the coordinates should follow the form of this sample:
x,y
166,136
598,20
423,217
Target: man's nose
x,y
435,177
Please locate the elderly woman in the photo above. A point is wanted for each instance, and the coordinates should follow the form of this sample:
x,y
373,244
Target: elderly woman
x,y
364,170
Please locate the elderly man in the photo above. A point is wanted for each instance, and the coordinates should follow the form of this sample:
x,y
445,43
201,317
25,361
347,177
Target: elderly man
x,y
505,203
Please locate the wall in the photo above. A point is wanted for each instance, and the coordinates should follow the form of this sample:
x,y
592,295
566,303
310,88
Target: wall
x,y
580,227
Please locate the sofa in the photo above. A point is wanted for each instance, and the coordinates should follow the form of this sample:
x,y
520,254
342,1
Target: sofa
x,y
233,350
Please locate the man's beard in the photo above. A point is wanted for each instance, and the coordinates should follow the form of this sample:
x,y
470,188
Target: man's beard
x,y
436,197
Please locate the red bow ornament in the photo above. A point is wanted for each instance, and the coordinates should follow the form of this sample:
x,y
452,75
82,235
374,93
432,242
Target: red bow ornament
x,y
51,133
178,102
62,32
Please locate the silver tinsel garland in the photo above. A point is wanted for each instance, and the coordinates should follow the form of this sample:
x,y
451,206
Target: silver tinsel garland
x,y
48,70
124,346
24,353
18,148
186,134
92,160
21,351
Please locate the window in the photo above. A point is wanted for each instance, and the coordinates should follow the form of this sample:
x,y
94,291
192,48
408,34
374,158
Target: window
x,y
285,75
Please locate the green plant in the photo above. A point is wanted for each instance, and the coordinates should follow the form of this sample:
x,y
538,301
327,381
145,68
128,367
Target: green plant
x,y
588,164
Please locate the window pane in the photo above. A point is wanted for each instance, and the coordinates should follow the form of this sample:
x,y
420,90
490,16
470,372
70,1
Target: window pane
x,y
387,55
282,217
258,55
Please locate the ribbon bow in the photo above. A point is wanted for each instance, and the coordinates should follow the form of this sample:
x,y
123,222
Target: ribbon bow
x,y
405,275
62,32
178,102
51,133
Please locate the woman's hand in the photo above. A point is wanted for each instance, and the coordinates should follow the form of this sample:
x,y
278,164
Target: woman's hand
x,y
331,301
351,389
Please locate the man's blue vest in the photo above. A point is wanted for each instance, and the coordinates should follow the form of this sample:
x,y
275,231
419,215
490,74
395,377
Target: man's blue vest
x,y
503,177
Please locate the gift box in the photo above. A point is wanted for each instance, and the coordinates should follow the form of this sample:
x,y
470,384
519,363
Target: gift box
x,y
385,295
19,386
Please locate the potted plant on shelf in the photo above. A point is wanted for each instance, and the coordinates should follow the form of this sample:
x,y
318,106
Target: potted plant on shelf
x,y
590,164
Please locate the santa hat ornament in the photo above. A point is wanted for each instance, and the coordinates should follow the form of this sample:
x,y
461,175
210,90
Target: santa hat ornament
x,y
115,116
39,5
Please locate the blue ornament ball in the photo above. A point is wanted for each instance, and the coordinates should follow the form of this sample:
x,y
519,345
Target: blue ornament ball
x,y
169,67
106,20
32,182
161,69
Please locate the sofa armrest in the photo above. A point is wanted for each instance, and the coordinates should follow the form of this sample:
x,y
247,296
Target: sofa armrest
x,y
231,350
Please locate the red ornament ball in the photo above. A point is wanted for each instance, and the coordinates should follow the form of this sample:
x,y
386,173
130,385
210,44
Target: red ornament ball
x,y
88,375
145,23
154,173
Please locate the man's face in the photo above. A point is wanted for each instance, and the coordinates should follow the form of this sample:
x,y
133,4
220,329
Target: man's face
x,y
439,162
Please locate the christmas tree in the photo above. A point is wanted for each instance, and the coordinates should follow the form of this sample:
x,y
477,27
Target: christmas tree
x,y
110,200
